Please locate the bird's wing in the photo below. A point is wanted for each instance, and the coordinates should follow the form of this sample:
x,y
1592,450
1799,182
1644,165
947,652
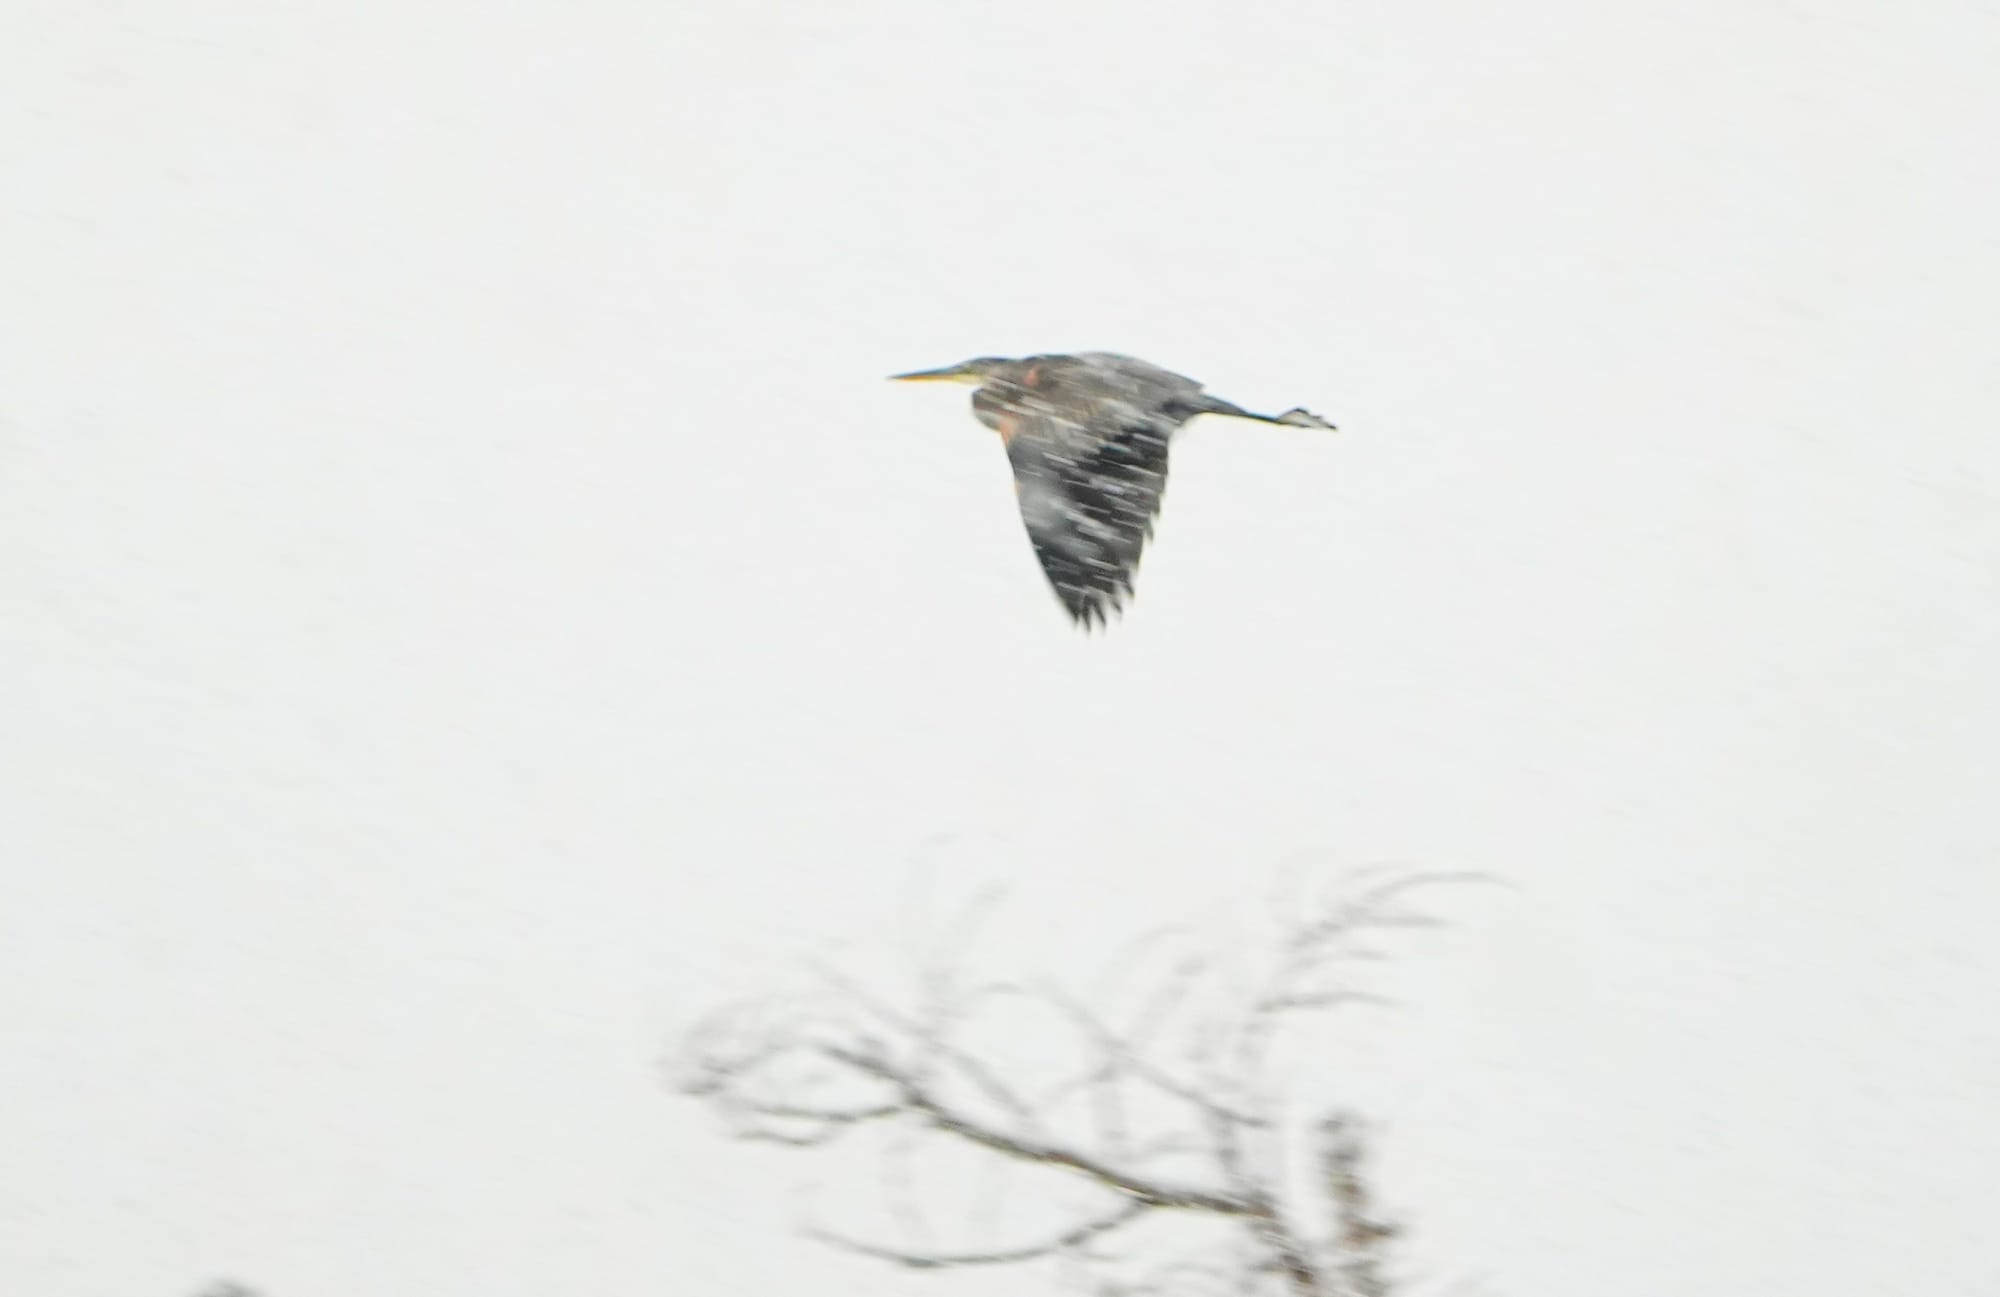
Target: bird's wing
x,y
1088,499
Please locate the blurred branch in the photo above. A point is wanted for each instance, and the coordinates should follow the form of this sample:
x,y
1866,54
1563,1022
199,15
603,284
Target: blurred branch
x,y
805,1072
1076,1236
1359,1236
1152,1191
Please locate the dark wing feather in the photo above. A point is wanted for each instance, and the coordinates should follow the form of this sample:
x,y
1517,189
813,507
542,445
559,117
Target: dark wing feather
x,y
1088,500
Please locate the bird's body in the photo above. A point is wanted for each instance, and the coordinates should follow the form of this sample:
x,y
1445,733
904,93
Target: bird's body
x,y
1088,437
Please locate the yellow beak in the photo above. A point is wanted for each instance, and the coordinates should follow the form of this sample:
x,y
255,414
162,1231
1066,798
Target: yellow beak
x,y
949,374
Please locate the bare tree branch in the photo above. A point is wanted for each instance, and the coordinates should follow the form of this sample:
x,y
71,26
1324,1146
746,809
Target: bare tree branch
x,y
973,1069
1172,1107
1073,1237
819,1126
1359,1235
1128,1058
1153,1192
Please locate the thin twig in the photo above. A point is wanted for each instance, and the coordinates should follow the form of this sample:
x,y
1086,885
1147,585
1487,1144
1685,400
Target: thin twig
x,y
927,1260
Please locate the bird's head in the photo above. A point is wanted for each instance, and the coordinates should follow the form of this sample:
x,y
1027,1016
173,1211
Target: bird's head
x,y
973,371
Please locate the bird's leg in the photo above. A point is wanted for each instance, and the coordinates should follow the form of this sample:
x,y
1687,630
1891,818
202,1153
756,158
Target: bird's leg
x,y
1293,418
1302,418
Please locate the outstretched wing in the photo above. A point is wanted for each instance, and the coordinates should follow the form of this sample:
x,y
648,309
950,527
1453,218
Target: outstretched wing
x,y
1088,498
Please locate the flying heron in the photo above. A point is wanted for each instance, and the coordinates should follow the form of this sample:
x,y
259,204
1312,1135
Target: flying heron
x,y
1087,436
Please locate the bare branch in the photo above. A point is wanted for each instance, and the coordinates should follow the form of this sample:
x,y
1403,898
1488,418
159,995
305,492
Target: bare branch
x,y
821,1125
1121,1055
1177,1102
1314,1001
1152,1191
972,1069
1076,1236
1359,1234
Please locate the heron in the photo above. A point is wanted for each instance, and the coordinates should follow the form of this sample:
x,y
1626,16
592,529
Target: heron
x,y
1087,436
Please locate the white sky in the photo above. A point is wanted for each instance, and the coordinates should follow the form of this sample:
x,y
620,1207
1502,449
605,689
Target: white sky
x,y
468,603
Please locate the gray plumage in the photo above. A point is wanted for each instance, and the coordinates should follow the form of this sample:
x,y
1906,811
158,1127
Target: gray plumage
x,y
1088,437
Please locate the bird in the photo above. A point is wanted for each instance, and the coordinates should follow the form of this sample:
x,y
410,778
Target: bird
x,y
1087,436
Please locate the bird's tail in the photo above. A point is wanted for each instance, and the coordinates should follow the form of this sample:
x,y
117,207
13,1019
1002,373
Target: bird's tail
x,y
1294,417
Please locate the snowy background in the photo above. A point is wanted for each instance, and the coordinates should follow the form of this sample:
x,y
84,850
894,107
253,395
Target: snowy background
x,y
469,604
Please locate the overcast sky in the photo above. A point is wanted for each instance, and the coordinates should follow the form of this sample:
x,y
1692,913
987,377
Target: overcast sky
x,y
469,603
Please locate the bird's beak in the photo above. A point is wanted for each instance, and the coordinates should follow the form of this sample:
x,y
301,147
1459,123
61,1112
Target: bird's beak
x,y
949,374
